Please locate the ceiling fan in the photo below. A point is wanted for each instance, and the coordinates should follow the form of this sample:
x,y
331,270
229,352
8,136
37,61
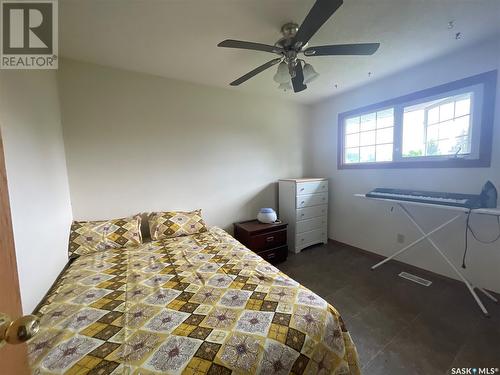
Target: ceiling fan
x,y
291,72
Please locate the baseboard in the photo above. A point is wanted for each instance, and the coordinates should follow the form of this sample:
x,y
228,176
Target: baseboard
x,y
378,257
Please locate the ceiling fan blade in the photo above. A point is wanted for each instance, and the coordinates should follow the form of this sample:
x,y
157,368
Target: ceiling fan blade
x,y
343,49
298,80
321,11
254,72
231,43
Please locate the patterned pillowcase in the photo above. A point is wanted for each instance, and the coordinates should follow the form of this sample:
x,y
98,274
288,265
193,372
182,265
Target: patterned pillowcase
x,y
175,223
90,236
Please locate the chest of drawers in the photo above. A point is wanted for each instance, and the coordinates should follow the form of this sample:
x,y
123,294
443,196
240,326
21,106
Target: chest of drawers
x,y
303,204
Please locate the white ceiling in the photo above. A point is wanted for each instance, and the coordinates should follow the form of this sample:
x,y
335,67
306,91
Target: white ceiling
x,y
178,38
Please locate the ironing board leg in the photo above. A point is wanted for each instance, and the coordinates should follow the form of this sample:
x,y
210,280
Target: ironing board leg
x,y
488,294
459,274
426,235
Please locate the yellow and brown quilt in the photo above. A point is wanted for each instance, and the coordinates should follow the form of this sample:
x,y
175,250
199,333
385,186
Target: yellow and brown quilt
x,y
199,304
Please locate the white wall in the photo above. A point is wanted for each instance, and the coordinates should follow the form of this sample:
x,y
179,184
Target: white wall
x,y
371,225
37,178
138,143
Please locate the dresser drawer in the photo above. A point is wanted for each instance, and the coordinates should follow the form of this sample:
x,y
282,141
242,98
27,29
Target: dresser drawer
x,y
310,238
267,241
311,224
275,255
312,187
312,200
310,212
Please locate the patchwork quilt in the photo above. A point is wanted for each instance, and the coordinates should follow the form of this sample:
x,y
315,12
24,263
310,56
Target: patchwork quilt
x,y
199,304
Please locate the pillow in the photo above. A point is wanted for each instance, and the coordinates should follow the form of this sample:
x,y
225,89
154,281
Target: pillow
x,y
175,223
91,236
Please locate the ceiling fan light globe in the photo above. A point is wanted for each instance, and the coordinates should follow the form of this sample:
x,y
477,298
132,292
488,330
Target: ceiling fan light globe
x,y
281,79
282,76
309,73
311,78
286,86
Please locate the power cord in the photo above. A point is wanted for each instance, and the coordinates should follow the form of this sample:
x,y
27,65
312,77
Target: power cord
x,y
476,237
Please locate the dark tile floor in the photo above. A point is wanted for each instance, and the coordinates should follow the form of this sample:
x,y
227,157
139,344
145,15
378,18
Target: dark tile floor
x,y
400,327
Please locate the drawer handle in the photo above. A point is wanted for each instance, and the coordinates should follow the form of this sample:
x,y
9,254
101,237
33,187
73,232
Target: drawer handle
x,y
270,239
272,255
302,239
302,202
302,189
302,214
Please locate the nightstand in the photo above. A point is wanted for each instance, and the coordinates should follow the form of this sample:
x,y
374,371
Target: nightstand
x,y
266,240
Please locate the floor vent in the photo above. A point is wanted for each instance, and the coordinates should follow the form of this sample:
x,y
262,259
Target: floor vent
x,y
415,279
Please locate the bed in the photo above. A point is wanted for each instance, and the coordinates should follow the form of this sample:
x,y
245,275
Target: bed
x,y
199,304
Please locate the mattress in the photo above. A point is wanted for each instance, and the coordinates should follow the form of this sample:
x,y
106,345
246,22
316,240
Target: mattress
x,y
200,304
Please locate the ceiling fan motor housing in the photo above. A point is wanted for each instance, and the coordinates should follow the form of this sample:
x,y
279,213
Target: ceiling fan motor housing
x,y
289,30
287,42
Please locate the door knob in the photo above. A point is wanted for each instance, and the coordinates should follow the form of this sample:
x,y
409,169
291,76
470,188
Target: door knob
x,y
19,330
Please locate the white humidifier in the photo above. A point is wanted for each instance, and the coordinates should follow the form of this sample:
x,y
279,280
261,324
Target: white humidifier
x,y
267,216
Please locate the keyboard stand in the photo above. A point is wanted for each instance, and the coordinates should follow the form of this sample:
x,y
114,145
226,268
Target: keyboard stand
x,y
461,212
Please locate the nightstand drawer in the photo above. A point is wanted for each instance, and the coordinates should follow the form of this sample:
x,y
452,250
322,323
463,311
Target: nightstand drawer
x,y
276,255
267,241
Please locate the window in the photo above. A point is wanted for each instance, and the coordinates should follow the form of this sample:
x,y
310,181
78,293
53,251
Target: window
x,y
446,126
438,128
369,137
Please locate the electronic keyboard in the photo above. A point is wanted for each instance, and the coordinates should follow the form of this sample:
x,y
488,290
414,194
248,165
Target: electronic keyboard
x,y
447,199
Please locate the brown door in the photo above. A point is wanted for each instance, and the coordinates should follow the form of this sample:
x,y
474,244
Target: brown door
x,y
13,358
